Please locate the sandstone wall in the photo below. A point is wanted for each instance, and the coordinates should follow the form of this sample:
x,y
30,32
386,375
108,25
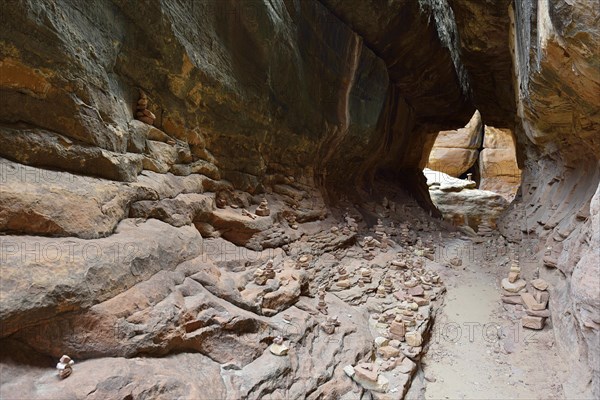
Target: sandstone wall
x,y
251,88
454,152
558,76
498,166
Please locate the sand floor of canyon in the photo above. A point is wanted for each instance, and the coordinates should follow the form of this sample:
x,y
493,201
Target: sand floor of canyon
x,y
478,348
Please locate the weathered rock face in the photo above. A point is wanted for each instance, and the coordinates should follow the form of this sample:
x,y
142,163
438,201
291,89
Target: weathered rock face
x,y
556,62
127,235
221,91
462,204
498,169
454,152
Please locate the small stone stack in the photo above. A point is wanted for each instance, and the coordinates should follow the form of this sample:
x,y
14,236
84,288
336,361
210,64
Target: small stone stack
x,y
397,328
262,275
330,324
485,229
303,262
365,275
263,209
385,242
388,284
142,113
535,303
352,225
65,367
369,245
322,305
291,220
514,283
367,375
343,280
278,347
379,230
404,234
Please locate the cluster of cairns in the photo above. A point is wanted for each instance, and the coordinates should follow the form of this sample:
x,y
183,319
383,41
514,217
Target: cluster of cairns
x,y
142,113
380,241
262,210
532,296
403,323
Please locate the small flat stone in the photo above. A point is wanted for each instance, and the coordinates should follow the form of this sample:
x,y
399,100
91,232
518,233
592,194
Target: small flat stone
x,y
512,299
365,374
542,313
420,301
279,349
349,370
531,322
414,338
530,303
387,352
381,341
382,385
513,287
416,291
539,284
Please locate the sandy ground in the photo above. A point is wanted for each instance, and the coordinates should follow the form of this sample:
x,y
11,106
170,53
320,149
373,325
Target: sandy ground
x,y
477,351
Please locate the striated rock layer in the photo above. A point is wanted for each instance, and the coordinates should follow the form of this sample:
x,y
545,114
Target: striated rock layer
x,y
558,76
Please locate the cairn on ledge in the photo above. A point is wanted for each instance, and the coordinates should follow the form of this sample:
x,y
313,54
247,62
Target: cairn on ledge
x,y
278,347
142,113
262,275
263,209
65,366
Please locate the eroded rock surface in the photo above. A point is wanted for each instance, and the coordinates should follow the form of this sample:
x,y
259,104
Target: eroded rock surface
x,y
140,141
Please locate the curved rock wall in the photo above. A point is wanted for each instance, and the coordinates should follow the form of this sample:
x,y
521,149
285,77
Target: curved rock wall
x,y
250,88
558,75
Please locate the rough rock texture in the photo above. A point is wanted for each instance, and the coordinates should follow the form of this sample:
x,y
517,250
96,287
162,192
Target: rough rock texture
x,y
255,89
558,76
125,239
460,203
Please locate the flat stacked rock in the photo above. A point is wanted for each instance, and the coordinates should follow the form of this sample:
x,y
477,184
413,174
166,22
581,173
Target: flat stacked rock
x,y
535,303
142,113
485,229
513,283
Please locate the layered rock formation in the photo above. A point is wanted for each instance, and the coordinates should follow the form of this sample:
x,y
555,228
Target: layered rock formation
x,y
132,244
558,80
455,152
498,168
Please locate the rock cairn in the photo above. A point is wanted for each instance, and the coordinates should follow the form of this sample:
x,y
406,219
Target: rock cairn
x,y
65,367
142,113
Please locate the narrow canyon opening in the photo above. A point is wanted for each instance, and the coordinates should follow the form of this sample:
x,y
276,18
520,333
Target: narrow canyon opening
x,y
472,174
320,199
